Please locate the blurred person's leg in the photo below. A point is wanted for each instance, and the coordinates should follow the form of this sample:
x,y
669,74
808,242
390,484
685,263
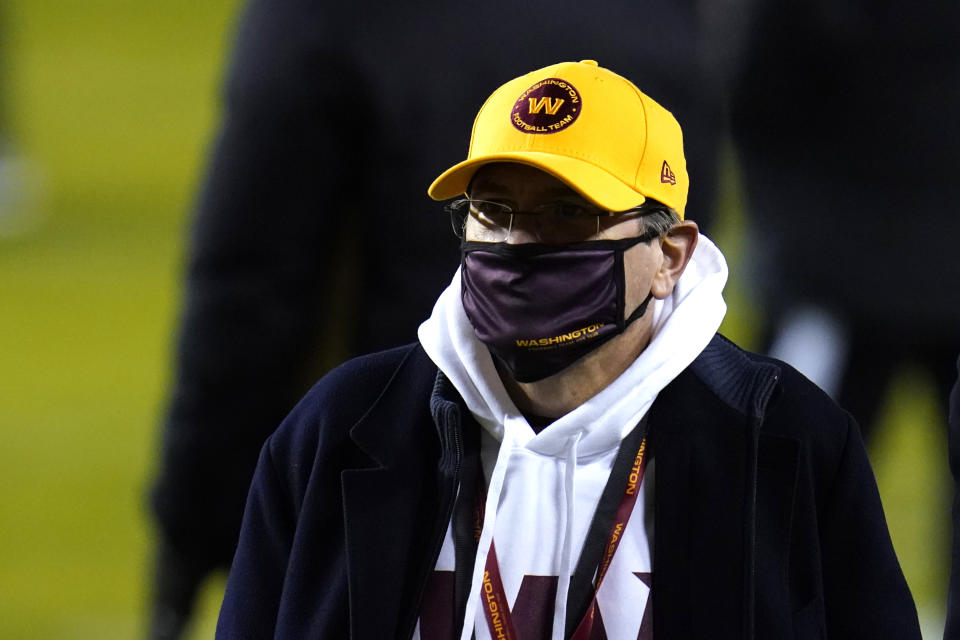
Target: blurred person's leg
x,y
856,362
878,354
873,361
175,586
815,341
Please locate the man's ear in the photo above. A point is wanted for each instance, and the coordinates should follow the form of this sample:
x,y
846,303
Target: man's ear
x,y
677,247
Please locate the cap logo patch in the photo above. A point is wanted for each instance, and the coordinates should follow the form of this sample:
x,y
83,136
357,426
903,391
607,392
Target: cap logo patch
x,y
667,176
547,107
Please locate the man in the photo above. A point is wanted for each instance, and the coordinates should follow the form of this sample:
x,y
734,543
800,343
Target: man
x,y
497,478
289,273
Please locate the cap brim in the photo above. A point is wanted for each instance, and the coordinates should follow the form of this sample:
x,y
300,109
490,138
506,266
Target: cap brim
x,y
590,181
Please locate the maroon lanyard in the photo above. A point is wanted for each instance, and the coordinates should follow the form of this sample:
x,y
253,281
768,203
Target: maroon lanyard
x,y
495,607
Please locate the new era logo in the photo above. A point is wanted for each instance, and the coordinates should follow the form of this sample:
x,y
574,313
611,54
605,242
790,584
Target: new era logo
x,y
667,176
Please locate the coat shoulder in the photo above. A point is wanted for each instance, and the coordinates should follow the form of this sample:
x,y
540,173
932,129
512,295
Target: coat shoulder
x,y
784,400
341,398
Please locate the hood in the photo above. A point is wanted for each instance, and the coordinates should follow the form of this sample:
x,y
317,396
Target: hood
x,y
683,324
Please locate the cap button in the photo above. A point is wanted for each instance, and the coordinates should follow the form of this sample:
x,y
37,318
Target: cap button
x,y
590,62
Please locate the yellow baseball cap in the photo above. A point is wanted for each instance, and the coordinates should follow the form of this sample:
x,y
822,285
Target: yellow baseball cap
x,y
586,126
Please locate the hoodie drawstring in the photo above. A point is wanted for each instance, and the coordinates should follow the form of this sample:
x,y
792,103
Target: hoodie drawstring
x,y
566,560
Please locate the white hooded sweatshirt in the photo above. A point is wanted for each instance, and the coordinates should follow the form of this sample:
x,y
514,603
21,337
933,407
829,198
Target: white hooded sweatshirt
x,y
543,488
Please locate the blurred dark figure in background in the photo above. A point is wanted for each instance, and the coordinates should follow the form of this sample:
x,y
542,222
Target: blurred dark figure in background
x,y
952,631
845,116
324,102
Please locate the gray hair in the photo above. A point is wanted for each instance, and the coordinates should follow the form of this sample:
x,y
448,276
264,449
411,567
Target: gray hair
x,y
661,219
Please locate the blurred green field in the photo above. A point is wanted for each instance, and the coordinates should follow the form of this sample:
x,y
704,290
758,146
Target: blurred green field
x,y
112,104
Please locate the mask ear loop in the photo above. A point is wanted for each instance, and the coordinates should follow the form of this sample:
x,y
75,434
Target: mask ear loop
x,y
623,323
621,283
640,310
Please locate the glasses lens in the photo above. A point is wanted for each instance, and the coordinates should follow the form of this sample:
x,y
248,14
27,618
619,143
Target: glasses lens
x,y
565,222
458,215
487,221
479,220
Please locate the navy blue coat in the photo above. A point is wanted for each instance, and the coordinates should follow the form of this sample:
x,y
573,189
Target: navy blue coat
x,y
768,523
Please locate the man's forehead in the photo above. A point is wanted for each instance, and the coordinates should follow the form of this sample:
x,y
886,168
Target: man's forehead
x,y
502,177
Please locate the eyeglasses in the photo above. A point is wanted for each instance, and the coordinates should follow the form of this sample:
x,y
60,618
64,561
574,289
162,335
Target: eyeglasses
x,y
551,223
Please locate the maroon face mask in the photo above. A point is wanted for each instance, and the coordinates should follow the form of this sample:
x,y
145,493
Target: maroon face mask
x,y
539,308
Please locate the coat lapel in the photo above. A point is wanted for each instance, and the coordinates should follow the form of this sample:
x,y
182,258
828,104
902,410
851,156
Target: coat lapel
x,y
390,506
381,537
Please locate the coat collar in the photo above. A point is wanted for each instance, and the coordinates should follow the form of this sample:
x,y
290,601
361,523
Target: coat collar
x,y
742,381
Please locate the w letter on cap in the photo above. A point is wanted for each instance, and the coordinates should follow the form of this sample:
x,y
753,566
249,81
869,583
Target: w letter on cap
x,y
551,105
667,176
